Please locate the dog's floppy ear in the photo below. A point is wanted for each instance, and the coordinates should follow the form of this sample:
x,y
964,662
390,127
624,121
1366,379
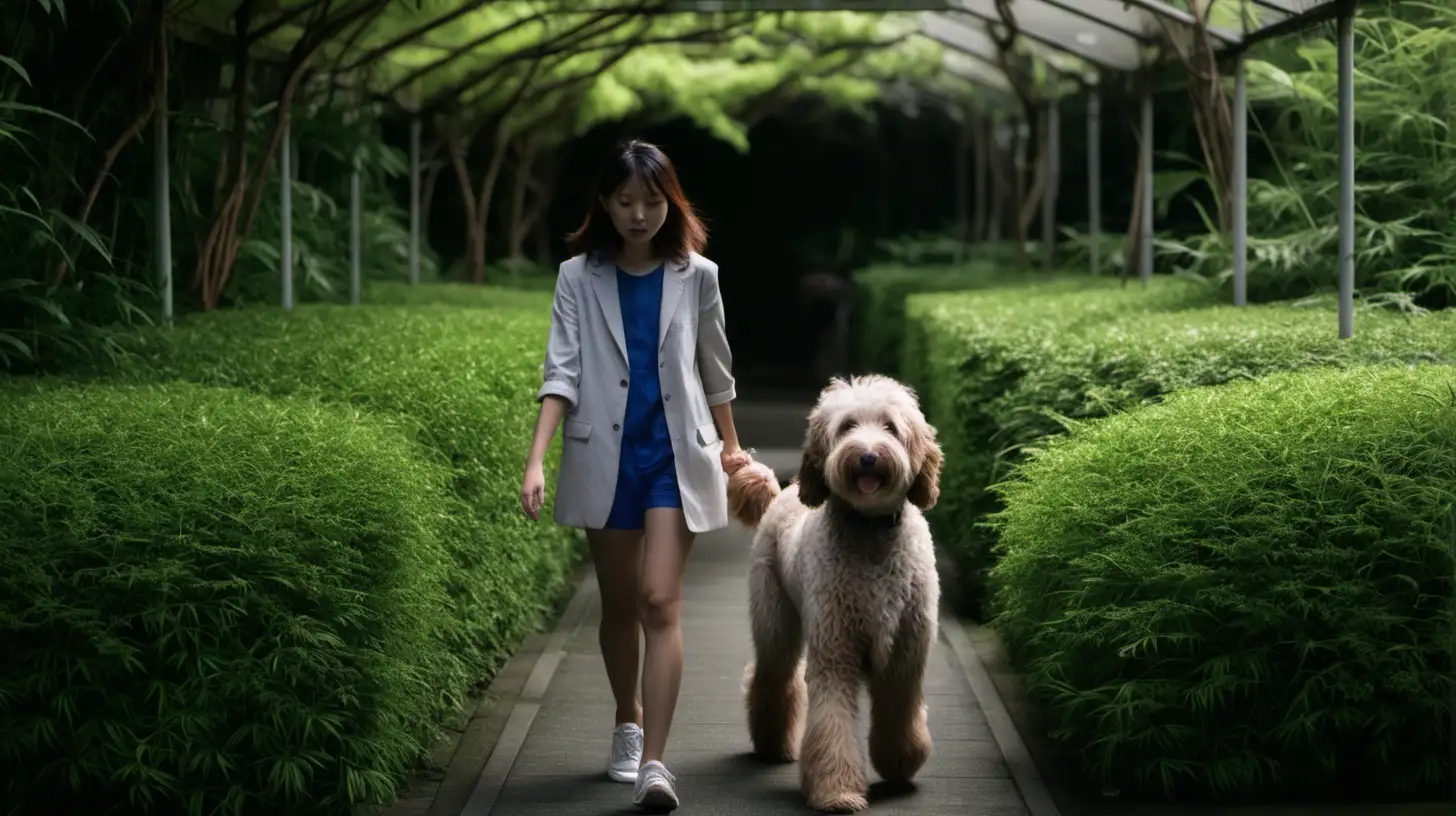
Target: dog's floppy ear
x,y
813,489
925,490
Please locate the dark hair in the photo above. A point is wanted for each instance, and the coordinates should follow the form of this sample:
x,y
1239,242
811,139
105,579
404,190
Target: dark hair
x,y
682,232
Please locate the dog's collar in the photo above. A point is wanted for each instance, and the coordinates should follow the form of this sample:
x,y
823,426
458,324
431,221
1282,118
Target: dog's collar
x,y
888,521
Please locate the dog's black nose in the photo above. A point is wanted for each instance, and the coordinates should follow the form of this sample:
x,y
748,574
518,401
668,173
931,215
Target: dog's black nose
x,y
868,459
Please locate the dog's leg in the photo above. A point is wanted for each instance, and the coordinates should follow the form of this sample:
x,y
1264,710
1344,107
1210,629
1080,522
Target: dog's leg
x,y
899,735
774,684
831,770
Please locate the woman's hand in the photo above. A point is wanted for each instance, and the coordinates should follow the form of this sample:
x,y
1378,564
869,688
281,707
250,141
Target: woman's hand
x,y
533,491
733,460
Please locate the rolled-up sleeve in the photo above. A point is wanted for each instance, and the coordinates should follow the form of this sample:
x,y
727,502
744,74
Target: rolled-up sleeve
x,y
715,358
562,370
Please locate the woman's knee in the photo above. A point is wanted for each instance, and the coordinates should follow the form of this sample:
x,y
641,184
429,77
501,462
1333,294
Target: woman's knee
x,y
659,608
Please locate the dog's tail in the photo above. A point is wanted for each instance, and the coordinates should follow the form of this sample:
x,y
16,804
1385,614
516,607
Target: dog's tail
x,y
750,491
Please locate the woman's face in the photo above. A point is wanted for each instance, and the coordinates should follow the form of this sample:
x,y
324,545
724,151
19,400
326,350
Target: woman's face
x,y
637,211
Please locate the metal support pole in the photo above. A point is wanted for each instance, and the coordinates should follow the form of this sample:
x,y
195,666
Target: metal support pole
x,y
1053,184
1094,178
1347,175
1145,246
285,185
1239,188
162,202
414,208
356,273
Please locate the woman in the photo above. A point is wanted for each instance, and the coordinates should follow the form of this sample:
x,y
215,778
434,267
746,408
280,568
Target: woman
x,y
639,369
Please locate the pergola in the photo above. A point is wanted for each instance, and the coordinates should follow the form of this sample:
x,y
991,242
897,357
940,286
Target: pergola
x,y
1088,40
1083,40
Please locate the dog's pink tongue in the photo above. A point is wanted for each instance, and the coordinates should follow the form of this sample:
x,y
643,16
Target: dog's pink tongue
x,y
869,483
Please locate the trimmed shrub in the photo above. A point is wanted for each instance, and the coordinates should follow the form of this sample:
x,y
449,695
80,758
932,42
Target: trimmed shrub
x,y
1245,592
460,382
212,602
878,314
963,352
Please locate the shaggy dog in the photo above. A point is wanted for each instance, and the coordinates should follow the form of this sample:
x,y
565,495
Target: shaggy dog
x,y
843,591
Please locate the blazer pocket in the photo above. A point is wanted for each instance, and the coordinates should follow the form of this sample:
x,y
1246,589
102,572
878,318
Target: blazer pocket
x,y
707,434
577,430
683,324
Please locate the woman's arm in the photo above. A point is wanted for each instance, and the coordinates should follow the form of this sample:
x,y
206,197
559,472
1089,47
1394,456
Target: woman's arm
x,y
553,408
723,417
561,372
715,368
715,358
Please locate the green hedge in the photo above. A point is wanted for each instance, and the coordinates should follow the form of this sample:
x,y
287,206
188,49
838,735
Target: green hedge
x,y
212,602
1246,592
964,352
459,381
1008,369
878,316
465,295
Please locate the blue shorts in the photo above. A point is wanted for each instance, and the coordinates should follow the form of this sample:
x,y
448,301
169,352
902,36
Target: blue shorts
x,y
639,492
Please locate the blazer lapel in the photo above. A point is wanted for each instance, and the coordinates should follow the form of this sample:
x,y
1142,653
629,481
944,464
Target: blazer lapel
x,y
604,284
672,291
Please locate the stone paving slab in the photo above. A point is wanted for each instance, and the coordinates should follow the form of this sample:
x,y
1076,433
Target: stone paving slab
x,y
551,754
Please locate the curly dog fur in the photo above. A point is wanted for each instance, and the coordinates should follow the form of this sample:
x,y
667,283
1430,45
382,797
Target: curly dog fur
x,y
843,591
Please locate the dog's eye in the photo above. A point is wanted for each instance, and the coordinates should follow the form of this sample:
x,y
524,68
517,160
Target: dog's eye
x,y
849,425
892,428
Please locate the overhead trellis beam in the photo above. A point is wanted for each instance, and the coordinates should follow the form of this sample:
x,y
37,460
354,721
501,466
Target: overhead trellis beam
x,y
966,36
1063,31
1177,15
1059,40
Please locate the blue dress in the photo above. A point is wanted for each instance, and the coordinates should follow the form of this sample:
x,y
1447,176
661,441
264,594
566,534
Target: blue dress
x,y
647,473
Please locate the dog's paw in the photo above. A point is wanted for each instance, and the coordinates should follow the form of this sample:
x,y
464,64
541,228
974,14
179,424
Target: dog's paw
x,y
842,802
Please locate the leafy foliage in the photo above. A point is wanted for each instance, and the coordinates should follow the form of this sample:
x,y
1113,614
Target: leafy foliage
x,y
1405,162
458,381
213,602
1246,592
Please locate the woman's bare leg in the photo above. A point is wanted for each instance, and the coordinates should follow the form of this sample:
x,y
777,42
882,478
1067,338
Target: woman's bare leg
x,y
664,557
617,557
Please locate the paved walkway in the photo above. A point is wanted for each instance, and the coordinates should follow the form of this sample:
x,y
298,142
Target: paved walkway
x,y
551,731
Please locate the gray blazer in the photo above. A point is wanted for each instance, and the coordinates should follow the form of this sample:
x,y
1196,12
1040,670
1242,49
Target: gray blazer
x,y
586,364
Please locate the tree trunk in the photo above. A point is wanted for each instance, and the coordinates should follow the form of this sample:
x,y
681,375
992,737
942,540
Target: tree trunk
x,y
233,222
433,168
1019,227
521,220
1132,264
484,199
999,185
1212,115
1038,172
459,147
980,145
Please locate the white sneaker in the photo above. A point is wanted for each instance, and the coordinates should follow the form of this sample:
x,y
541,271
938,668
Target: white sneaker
x,y
626,753
656,788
